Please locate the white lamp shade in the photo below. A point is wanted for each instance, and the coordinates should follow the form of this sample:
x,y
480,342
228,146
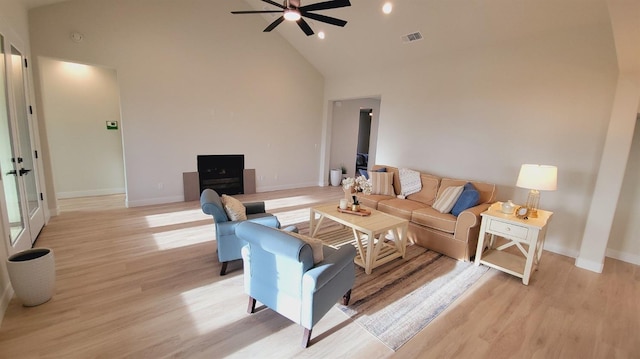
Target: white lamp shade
x,y
538,177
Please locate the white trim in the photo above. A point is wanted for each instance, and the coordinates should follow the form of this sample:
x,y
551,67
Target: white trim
x,y
288,186
90,193
152,201
623,256
589,265
560,250
4,301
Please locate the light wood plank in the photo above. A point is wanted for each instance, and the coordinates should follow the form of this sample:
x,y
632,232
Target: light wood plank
x,y
143,282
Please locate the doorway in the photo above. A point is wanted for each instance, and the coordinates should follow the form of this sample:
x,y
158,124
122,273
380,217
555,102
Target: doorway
x,y
354,131
81,104
364,136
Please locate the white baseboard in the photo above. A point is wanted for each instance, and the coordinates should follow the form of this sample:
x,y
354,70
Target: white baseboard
x,y
90,193
7,294
288,186
152,201
623,256
589,265
560,250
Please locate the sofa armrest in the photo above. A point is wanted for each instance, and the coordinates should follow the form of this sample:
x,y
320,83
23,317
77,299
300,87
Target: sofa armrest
x,y
254,207
316,277
468,219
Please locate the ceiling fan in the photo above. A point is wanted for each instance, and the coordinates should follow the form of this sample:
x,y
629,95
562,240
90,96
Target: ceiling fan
x,y
292,11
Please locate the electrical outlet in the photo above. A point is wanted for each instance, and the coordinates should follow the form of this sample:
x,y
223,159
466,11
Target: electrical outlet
x,y
160,185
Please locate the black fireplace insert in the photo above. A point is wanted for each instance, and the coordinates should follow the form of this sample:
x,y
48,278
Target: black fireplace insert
x,y
222,173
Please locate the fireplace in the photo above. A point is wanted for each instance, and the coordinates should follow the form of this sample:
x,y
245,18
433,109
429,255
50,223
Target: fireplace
x,y
221,173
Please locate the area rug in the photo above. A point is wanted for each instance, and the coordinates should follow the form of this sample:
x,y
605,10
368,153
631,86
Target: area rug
x,y
402,297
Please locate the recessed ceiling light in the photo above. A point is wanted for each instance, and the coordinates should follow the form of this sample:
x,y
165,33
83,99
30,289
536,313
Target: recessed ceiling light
x,y
321,34
387,8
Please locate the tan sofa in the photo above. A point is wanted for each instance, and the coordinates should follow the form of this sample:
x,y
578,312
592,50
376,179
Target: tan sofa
x,y
456,237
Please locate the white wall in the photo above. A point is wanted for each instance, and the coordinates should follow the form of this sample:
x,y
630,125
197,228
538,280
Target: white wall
x,y
624,243
482,112
344,131
194,79
77,101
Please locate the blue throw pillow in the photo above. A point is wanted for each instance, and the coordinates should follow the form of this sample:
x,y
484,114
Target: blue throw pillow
x,y
469,198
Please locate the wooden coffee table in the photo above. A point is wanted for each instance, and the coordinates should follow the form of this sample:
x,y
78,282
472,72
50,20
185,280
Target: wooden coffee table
x,y
366,233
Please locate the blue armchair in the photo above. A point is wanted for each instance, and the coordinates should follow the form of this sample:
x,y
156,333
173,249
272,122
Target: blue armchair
x,y
229,245
279,272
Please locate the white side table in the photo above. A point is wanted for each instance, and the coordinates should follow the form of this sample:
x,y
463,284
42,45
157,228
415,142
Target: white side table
x,y
521,233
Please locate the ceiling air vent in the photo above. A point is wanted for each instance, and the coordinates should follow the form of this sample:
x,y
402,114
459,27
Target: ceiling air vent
x,y
412,37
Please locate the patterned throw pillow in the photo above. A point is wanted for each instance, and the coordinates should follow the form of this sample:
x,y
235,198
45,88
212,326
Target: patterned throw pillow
x,y
409,181
444,203
382,183
316,246
234,208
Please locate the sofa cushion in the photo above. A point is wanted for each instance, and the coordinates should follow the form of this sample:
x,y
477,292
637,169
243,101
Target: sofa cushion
x,y
429,217
399,207
409,181
234,208
382,183
372,200
447,198
429,189
469,198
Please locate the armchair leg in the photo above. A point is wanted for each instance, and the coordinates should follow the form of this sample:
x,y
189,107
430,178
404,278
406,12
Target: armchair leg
x,y
223,270
346,297
306,336
251,308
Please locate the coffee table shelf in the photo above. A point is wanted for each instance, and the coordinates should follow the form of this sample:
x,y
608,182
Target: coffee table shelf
x,y
366,233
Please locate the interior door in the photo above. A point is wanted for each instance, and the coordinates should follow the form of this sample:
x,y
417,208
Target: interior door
x,y
26,161
18,234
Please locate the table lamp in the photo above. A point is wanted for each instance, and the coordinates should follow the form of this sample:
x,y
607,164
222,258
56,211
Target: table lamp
x,y
537,178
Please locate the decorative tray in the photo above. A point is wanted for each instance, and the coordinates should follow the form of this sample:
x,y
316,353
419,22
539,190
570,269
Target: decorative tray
x,y
362,212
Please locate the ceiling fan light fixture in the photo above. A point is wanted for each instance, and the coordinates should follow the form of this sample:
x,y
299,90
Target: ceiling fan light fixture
x,y
291,15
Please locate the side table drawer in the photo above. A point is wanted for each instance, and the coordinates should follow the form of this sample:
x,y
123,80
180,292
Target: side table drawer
x,y
508,229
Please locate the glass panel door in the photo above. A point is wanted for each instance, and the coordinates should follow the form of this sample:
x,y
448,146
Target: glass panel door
x,y
8,166
26,165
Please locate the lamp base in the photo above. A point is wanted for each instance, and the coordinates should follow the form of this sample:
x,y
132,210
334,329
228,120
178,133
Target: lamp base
x,y
532,203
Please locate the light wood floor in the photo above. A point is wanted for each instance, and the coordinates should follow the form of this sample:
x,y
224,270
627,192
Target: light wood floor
x,y
143,283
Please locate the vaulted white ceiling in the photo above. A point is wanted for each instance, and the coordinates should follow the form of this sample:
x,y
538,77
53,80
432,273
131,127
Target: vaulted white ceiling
x,y
372,40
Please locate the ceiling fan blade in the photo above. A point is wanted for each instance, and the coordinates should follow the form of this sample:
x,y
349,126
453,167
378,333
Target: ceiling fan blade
x,y
305,27
256,12
273,3
323,18
325,5
274,24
